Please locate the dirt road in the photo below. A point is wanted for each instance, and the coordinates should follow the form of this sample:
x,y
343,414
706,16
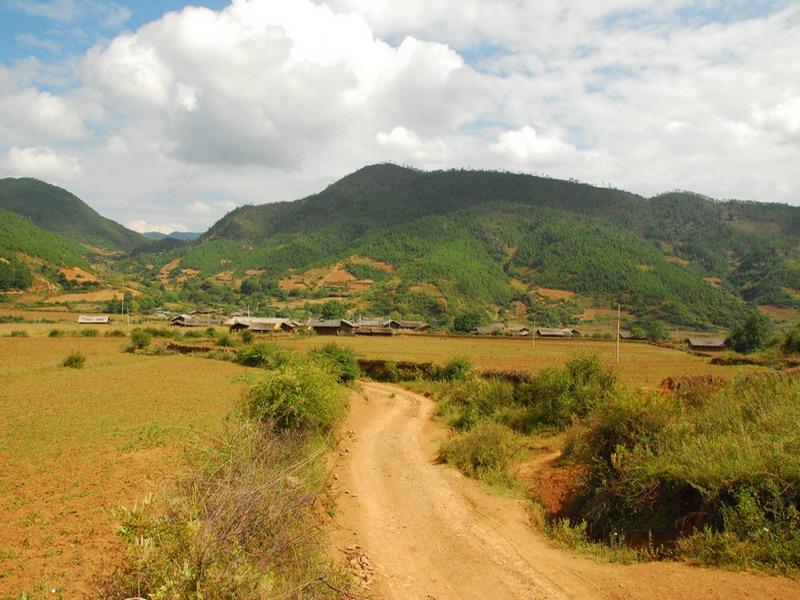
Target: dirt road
x,y
418,529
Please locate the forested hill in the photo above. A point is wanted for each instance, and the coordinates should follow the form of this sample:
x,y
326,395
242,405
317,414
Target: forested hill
x,y
445,241
55,209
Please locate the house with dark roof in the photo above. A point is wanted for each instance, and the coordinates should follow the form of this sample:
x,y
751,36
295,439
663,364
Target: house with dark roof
x,y
332,326
191,320
407,325
706,344
262,324
490,329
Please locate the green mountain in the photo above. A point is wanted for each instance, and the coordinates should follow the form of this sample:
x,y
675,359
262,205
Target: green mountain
x,y
24,247
437,243
57,210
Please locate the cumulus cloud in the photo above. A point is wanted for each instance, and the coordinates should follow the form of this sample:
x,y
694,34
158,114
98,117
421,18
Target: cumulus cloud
x,y
409,145
783,118
526,146
43,163
29,115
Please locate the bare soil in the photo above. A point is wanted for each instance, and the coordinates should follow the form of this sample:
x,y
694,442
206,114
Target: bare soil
x,y
408,527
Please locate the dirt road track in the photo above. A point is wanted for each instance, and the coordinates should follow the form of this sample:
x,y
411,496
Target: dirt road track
x,y
430,533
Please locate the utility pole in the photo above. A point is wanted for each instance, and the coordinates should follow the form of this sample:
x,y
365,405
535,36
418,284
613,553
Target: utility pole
x,y
129,317
619,315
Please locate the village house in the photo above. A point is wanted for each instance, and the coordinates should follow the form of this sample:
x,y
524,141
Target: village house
x,y
490,329
262,324
195,320
706,344
549,332
407,325
332,326
93,320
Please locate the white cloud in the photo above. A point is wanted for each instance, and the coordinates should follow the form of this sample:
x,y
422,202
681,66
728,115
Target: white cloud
x,y
526,146
31,116
409,145
41,162
783,118
165,228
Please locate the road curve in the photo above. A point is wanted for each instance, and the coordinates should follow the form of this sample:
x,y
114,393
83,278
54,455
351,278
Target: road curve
x,y
428,532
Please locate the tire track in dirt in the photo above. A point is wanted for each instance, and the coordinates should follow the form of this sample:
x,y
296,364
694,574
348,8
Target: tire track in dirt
x,y
428,532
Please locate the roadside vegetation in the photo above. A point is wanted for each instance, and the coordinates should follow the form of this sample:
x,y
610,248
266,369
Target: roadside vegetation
x,y
708,471
242,521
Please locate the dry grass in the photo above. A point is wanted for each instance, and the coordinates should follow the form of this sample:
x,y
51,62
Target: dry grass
x,y
640,364
77,444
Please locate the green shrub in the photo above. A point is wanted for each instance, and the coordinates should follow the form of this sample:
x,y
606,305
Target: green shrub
x,y
791,343
485,452
296,397
54,333
390,373
555,396
456,369
265,355
211,332
224,341
140,339
116,333
721,478
192,334
89,332
76,360
474,399
752,334
247,336
342,361
19,333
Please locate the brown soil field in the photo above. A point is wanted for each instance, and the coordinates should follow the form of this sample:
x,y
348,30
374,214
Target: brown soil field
x,y
77,274
169,267
77,444
787,315
373,263
98,296
338,275
640,364
552,294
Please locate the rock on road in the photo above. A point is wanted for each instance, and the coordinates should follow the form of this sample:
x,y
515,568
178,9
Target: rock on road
x,y
422,530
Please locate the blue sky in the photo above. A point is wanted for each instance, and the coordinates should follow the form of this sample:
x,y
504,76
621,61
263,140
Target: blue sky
x,y
31,27
170,126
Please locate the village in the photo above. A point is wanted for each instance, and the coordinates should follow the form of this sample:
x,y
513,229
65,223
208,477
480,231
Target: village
x,y
386,326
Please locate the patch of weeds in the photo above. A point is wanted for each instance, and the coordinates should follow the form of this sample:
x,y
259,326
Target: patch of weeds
x,y
486,452
75,360
574,537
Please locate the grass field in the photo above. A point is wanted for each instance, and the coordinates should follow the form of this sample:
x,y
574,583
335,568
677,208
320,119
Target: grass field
x,y
640,364
77,444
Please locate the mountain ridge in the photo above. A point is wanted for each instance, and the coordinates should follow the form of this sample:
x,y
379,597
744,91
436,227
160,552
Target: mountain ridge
x,y
57,210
